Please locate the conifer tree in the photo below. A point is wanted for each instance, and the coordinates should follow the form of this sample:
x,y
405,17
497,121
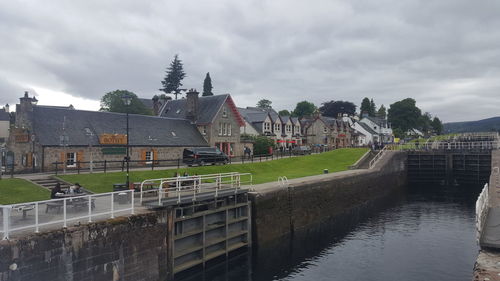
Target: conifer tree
x,y
207,86
172,81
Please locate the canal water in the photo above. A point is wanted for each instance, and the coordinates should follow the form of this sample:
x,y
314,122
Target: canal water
x,y
425,233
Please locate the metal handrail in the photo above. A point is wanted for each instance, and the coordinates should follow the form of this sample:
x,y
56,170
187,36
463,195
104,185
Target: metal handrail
x,y
283,181
193,185
445,145
377,157
88,201
482,210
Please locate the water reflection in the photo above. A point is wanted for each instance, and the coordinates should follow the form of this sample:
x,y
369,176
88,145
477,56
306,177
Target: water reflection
x,y
420,234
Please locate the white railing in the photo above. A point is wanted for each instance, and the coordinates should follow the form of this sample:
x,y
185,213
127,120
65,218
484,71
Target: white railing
x,y
62,212
481,210
440,145
191,186
283,181
377,157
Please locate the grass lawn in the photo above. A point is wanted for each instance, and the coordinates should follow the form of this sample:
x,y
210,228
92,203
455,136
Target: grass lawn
x,y
18,191
295,167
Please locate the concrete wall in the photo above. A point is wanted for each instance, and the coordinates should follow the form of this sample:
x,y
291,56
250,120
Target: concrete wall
x,y
278,211
133,248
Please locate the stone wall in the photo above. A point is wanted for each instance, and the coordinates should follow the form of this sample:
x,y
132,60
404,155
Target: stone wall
x,y
126,248
278,211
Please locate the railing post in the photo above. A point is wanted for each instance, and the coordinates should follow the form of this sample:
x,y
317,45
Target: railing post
x,y
37,229
78,167
133,202
90,208
65,224
6,221
112,205
178,163
56,168
105,164
159,192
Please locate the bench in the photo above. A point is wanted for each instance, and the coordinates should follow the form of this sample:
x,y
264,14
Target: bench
x,y
25,209
54,205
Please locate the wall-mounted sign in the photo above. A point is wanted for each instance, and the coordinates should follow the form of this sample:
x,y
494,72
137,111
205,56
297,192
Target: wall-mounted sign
x,y
22,138
342,135
112,139
114,150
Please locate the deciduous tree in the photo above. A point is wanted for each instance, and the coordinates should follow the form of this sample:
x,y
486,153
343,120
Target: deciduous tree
x,y
265,104
304,108
437,126
333,108
404,114
113,102
284,112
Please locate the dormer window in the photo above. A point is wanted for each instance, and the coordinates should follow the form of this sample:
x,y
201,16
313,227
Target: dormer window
x,y
277,127
267,127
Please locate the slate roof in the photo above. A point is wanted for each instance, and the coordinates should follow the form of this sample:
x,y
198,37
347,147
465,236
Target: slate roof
x,y
367,128
144,130
4,116
208,108
147,102
377,120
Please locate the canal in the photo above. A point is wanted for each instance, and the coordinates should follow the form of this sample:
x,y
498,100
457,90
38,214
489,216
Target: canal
x,y
424,233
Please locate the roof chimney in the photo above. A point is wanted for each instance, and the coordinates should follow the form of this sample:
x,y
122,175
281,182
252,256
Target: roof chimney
x,y
6,107
192,105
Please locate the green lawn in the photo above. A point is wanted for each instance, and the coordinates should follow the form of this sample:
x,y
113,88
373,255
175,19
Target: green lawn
x,y
295,167
18,191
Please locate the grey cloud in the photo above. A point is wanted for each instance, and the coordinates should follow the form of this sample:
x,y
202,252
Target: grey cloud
x,y
286,51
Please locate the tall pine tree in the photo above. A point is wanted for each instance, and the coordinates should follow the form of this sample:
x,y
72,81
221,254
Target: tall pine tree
x,y
373,108
207,86
172,81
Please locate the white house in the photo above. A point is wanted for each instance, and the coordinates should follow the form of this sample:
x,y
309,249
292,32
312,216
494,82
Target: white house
x,y
380,126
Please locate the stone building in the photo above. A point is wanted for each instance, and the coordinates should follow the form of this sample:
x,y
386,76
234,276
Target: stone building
x,y
326,131
285,131
216,117
43,135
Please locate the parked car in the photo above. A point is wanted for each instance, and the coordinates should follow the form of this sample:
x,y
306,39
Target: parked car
x,y
301,150
204,155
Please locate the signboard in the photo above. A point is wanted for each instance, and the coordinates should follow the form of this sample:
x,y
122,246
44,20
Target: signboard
x,y
112,139
22,138
342,135
114,150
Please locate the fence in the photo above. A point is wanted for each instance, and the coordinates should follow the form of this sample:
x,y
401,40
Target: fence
x,y
377,157
113,165
61,212
447,146
191,186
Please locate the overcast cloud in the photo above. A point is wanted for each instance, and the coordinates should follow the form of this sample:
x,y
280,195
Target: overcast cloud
x,y
445,54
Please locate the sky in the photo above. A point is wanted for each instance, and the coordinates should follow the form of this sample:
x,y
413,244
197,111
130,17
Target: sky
x,y
445,54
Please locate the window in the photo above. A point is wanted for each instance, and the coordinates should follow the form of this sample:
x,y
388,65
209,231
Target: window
x,y
71,159
297,129
220,129
267,126
288,128
325,130
277,127
224,112
224,129
204,130
149,157
229,129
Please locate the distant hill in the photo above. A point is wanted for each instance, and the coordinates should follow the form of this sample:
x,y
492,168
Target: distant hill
x,y
485,125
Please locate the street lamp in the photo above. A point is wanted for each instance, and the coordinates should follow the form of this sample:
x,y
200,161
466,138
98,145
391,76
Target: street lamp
x,y
127,99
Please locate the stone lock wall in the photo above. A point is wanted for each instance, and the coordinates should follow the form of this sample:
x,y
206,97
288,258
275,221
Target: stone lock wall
x,y
278,211
125,248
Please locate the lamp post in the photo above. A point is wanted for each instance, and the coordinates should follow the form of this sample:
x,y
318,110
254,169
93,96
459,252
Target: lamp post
x,y
64,141
127,99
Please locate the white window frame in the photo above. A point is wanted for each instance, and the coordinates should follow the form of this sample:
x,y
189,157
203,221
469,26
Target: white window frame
x,y
277,127
267,126
224,129
149,157
224,112
229,129
288,129
204,130
325,129
220,129
70,159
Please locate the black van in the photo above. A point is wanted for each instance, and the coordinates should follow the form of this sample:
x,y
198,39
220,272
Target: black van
x,y
203,155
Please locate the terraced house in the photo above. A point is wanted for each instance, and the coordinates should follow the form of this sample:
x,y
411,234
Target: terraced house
x,y
284,130
326,131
